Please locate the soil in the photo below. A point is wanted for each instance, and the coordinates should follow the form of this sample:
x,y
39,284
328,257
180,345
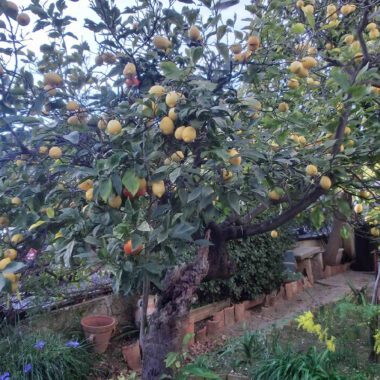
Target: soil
x,y
323,292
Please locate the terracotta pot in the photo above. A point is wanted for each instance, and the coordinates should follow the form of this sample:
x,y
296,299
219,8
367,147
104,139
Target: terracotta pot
x,y
98,330
229,316
132,356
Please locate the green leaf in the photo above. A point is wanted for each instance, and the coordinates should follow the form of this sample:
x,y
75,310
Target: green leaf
x,y
37,224
196,54
73,137
194,194
171,71
310,19
234,201
131,182
187,338
317,217
175,174
105,189
144,227
171,358
183,231
341,78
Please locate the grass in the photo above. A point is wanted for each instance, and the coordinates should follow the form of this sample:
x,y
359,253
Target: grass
x,y
279,353
43,355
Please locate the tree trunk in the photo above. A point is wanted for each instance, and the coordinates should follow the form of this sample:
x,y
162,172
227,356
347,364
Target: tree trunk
x,y
165,332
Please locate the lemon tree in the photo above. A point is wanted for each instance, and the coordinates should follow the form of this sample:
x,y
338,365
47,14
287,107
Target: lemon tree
x,y
161,129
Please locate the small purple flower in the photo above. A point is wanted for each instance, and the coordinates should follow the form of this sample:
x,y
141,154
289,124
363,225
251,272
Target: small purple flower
x,y
28,368
72,344
40,345
5,376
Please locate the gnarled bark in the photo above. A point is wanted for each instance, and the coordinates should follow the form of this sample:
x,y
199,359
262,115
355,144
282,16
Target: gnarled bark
x,y
173,307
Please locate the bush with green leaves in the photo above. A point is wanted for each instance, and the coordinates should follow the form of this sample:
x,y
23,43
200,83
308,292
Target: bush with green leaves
x,y
42,356
260,269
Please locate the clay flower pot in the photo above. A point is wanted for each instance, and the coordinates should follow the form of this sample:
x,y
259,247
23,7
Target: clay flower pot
x,y
131,355
98,330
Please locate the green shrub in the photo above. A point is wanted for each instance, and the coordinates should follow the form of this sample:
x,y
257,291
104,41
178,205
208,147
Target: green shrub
x,y
260,269
42,356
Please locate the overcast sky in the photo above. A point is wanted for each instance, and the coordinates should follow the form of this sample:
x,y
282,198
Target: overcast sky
x,y
80,10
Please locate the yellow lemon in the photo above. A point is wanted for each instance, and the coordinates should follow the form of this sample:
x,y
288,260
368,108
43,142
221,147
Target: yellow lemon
x,y
325,182
11,253
161,42
129,70
358,208
309,62
167,125
157,91
53,79
283,107
55,152
235,157
17,238
158,188
293,83
311,170
43,149
274,195
253,43
72,106
89,195
115,201
102,124
178,132
86,185
4,221
295,67
16,201
189,134
194,33
4,263
227,175
274,234
171,99
113,127
177,156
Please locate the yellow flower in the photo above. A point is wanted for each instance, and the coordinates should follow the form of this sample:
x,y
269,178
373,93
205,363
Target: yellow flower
x,y
377,342
330,344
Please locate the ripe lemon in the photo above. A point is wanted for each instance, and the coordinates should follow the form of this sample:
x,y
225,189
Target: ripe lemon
x,y
283,107
11,253
115,201
55,152
274,195
89,195
235,157
177,156
17,238
347,9
50,90
293,83
4,221
308,9
311,170
102,124
172,114
194,33
373,34
358,208
158,188
325,182
129,70
43,149
53,79
309,62
302,140
157,91
253,43
189,134
73,120
371,26
295,67
227,175
171,99
167,125
161,42
16,201
72,106
4,263
364,194
178,132
113,127
274,234
349,39
86,185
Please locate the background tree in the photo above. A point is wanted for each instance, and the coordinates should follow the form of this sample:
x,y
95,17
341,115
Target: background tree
x,y
170,129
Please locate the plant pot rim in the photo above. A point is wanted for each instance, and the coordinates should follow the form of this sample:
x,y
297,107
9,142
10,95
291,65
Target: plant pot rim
x,y
112,320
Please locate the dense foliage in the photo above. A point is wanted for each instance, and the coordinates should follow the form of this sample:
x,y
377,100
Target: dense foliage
x,y
260,269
